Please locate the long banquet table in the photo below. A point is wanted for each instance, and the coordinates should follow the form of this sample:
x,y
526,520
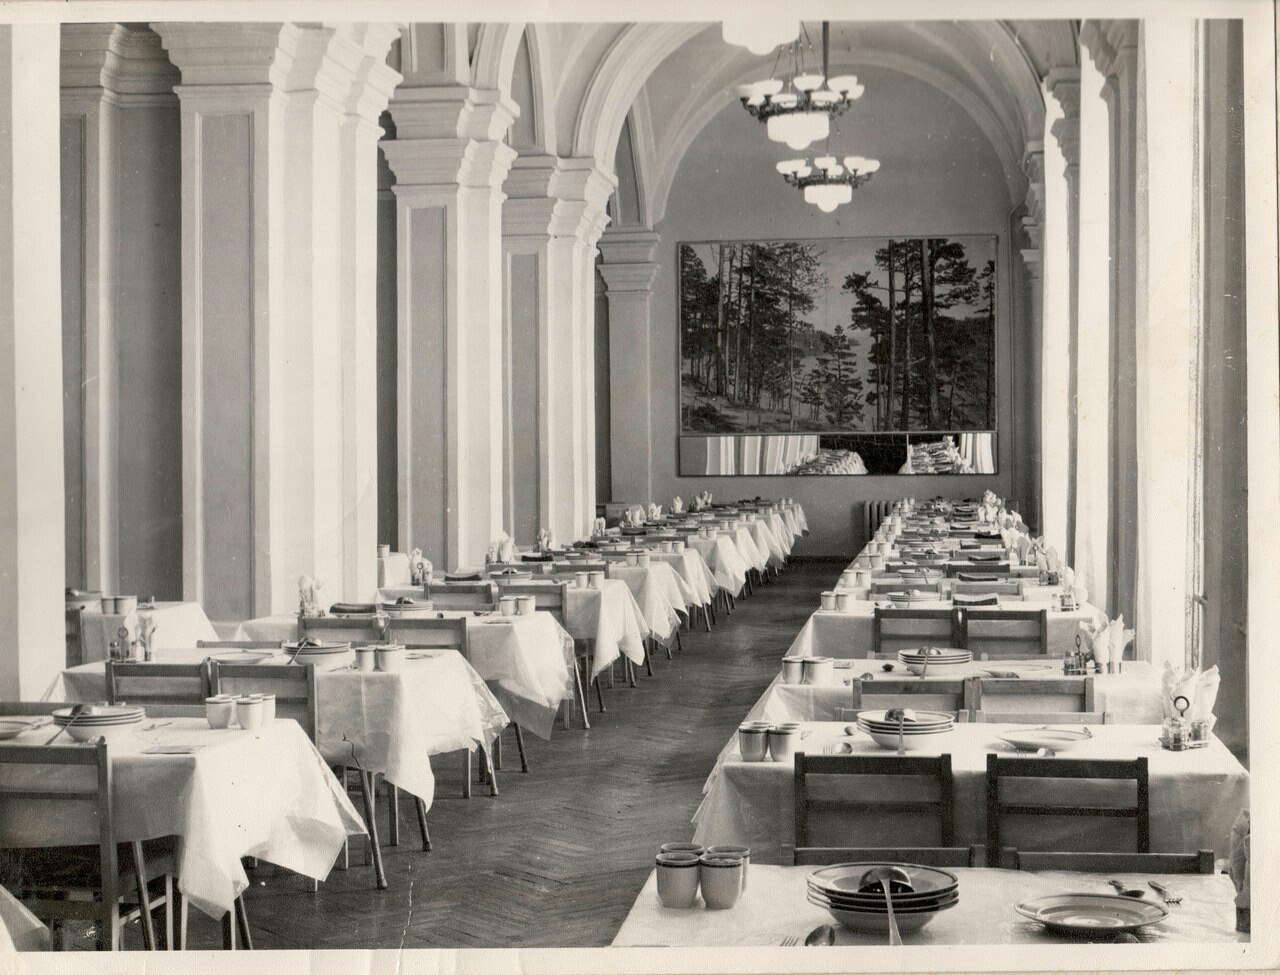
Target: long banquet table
x,y
774,907
1195,795
265,793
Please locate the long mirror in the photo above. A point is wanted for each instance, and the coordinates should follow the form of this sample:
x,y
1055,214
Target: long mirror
x,y
838,454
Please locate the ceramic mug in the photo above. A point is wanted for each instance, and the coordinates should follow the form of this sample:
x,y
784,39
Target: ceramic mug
x,y
366,658
792,670
828,600
844,602
268,707
249,713
595,580
390,658
818,670
507,606
753,742
784,739
581,579
696,849
720,877
677,546
219,710
384,551
668,547
526,605
633,558
677,879
644,559
740,851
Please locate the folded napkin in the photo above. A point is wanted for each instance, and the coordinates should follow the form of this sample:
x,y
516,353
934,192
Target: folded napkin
x,y
1106,639
677,505
462,577
546,540
977,577
352,609
1023,547
1201,689
309,601
655,511
1052,560
975,599
598,526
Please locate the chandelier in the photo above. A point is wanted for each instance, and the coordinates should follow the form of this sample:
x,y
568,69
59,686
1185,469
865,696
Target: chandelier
x,y
760,36
799,111
828,182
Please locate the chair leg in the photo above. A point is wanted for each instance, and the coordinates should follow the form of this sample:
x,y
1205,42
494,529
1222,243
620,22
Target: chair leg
x,y
169,887
466,779
144,899
493,776
648,657
367,786
679,643
422,824
630,671
497,752
599,694
181,905
524,763
393,813
668,648
580,697
229,930
242,924
709,613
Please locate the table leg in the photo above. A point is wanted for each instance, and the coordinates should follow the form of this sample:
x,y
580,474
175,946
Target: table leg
x,y
422,824
367,786
144,899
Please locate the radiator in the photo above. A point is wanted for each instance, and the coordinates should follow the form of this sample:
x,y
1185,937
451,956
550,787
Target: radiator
x,y
874,512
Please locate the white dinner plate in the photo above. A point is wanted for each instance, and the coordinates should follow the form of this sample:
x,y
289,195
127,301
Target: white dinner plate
x,y
11,727
1054,739
1087,913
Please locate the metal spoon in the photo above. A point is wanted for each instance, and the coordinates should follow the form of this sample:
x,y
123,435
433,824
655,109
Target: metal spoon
x,y
1124,891
887,877
823,936
76,711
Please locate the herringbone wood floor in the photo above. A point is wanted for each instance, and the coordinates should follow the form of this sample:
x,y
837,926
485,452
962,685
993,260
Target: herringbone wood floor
x,y
559,856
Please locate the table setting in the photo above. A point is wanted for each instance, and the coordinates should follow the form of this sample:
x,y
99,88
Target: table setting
x,y
174,624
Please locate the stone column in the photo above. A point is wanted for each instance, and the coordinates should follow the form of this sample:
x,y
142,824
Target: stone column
x,y
554,213
629,270
450,162
1032,347
274,361
1064,85
31,470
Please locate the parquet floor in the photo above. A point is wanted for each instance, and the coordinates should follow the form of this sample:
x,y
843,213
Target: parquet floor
x,y
558,857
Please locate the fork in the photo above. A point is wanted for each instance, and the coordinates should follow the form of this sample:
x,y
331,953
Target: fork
x,y
790,941
1165,894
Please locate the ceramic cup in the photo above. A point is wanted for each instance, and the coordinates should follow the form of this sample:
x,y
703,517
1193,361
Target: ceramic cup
x,y
677,546
644,559
125,605
507,606
844,602
846,579
526,605
633,558
219,710
720,877
390,657
877,561
828,600
784,739
249,713
108,605
696,849
818,670
740,851
861,577
384,551
792,670
753,742
678,875
668,547
268,707
596,580
874,548
366,659
581,579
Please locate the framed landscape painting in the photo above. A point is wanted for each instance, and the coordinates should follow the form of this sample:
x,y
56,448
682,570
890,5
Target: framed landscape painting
x,y
838,336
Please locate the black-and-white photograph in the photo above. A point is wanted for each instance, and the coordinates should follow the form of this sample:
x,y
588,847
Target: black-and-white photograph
x,y
680,487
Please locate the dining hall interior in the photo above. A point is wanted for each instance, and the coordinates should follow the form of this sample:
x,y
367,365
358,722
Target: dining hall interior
x,y
507,481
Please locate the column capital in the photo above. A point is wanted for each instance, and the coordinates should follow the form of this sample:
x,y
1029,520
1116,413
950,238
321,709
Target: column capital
x,y
126,66
1113,45
550,196
451,112
447,163
1032,262
627,263
1064,85
230,54
1033,167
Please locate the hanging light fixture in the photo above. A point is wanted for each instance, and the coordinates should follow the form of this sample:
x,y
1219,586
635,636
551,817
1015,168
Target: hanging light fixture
x,y
828,182
799,112
760,36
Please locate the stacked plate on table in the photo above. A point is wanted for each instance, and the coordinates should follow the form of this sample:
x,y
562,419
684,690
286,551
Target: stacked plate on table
x,y
860,906
511,575
325,656
109,721
918,727
936,660
905,599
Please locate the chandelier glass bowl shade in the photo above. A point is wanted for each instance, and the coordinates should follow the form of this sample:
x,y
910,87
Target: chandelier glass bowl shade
x,y
801,114
828,182
760,36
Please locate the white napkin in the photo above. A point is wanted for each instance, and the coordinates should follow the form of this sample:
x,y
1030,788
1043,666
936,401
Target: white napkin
x,y
655,511
1052,559
598,526
1201,689
677,504
309,601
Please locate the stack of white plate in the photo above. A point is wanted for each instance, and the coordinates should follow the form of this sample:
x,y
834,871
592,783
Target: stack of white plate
x,y
511,575
935,660
838,889
915,731
109,721
906,598
325,656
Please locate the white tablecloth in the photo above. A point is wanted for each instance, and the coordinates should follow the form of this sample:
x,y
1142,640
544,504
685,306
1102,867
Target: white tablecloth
x,y
831,633
1195,795
774,907
767,542
20,930
722,556
658,592
610,618
266,794
436,704
786,538
177,625
394,569
751,554
694,572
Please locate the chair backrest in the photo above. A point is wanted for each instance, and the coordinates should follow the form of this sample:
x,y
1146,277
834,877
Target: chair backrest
x,y
294,686
240,644
1008,590
900,584
896,629
356,630
157,683
957,568
909,772
463,595
569,568
1037,717
30,708
1004,633
535,568
1009,699
909,692
427,632
73,627
1112,863
930,856
1003,768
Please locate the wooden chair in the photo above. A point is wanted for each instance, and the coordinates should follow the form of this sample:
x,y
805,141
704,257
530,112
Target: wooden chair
x,y
957,568
927,769
356,630
1112,863
896,629
879,586
929,856
1005,590
240,644
463,595
431,633
571,567
75,651
93,882
1003,768
1004,633
1037,717
1012,699
147,684
910,692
